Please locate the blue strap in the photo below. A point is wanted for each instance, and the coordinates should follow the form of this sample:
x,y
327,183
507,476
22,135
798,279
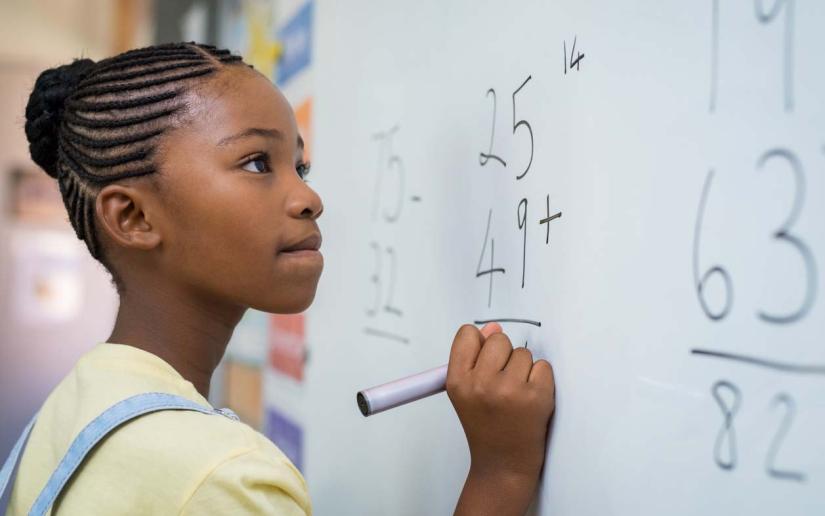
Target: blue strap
x,y
10,466
97,429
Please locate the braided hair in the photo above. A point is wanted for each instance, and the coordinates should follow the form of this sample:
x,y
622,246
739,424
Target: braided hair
x,y
92,123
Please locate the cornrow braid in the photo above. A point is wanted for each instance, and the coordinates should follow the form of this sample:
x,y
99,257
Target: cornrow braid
x,y
90,124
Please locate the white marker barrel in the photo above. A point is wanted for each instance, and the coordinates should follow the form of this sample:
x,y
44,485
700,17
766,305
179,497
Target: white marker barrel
x,y
392,394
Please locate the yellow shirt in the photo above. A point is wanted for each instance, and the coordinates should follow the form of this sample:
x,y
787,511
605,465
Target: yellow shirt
x,y
168,462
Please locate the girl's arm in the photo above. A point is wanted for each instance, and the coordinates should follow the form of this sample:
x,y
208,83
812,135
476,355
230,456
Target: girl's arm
x,y
504,402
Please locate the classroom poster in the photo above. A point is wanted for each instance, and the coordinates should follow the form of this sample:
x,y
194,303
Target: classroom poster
x,y
47,284
303,116
248,29
286,345
296,36
287,435
35,198
242,385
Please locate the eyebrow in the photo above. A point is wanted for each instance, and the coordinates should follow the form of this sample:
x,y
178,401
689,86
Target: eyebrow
x,y
272,134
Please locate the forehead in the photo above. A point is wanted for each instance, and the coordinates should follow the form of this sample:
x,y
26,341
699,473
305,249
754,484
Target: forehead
x,y
236,99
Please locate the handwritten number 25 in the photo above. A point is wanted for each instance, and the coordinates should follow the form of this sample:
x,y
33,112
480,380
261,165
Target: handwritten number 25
x,y
485,157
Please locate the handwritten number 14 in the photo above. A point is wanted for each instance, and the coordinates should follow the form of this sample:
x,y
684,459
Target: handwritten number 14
x,y
575,58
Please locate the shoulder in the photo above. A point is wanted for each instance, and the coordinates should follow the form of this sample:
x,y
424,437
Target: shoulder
x,y
194,460
250,483
187,439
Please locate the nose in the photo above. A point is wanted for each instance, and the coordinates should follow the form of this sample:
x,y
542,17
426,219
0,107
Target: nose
x,y
305,203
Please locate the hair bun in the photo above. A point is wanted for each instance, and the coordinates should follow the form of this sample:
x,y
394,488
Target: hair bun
x,y
45,109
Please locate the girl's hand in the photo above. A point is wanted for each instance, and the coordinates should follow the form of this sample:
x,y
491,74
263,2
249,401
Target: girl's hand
x,y
504,401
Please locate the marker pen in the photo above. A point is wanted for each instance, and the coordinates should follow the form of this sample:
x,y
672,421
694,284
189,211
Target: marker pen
x,y
392,394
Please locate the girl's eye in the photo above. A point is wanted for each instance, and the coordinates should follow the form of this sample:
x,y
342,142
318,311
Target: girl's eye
x,y
303,169
258,164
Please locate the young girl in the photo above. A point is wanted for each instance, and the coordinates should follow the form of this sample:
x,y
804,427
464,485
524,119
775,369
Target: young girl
x,y
181,169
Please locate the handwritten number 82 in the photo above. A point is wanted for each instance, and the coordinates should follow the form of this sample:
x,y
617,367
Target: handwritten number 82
x,y
729,399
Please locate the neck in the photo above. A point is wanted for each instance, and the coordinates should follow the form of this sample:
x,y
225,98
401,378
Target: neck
x,y
183,328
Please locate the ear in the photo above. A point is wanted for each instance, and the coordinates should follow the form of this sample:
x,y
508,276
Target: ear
x,y
123,215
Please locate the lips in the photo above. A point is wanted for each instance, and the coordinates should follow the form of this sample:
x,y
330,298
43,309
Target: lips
x,y
310,243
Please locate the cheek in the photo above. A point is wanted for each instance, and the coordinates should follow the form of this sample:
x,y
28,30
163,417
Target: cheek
x,y
226,234
224,243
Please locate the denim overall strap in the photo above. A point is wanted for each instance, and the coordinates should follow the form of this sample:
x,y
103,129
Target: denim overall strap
x,y
95,431
10,466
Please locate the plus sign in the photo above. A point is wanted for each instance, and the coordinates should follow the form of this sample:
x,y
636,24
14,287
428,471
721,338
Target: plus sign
x,y
549,218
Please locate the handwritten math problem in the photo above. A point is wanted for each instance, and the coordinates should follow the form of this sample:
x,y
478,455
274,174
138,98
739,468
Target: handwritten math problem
x,y
534,214
783,159
389,199
521,127
635,192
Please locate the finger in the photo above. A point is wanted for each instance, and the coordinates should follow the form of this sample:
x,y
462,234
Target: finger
x,y
490,328
465,349
541,375
494,354
520,364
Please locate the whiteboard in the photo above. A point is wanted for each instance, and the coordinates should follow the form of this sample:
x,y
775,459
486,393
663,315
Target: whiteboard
x,y
679,294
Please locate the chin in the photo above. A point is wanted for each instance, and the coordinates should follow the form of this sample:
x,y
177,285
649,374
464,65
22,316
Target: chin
x,y
297,303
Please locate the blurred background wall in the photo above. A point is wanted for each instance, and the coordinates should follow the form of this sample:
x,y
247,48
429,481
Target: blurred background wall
x,y
56,301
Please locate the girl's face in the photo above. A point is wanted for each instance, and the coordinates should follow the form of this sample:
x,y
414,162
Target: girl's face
x,y
238,221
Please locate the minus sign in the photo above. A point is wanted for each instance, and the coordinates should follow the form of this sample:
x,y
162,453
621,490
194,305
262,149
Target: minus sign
x,y
415,198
